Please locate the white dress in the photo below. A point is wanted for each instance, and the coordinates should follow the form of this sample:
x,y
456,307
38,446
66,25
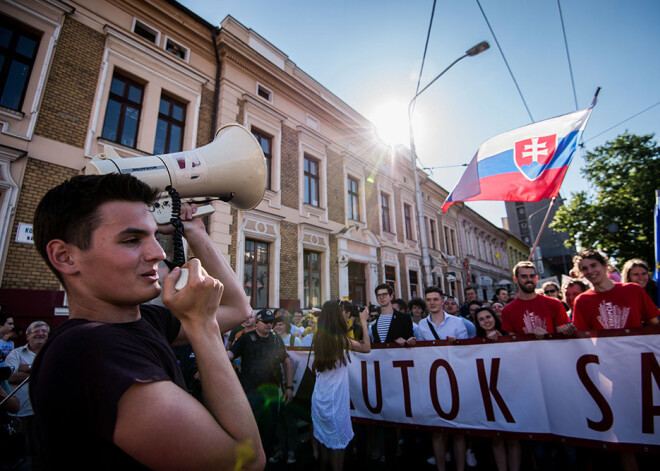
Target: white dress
x,y
331,406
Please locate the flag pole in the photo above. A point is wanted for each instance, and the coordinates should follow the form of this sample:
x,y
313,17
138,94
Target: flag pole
x,y
656,270
545,221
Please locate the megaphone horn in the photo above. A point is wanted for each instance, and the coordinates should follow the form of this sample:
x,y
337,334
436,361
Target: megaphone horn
x,y
232,168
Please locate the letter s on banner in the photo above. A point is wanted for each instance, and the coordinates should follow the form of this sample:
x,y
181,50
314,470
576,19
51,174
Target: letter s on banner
x,y
605,409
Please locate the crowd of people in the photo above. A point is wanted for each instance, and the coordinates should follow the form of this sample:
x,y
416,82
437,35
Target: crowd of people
x,y
106,391
590,299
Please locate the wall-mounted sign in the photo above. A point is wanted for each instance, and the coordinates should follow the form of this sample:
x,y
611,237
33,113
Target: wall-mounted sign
x,y
485,281
24,234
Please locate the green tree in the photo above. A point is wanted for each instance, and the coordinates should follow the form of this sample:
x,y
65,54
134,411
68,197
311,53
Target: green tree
x,y
616,213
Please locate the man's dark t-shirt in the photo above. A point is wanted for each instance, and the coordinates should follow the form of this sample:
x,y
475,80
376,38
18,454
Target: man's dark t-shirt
x,y
261,358
81,373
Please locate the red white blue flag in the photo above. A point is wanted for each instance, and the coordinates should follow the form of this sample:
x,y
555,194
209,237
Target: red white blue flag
x,y
525,164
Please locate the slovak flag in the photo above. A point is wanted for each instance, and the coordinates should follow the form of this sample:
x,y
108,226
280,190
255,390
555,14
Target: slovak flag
x,y
525,164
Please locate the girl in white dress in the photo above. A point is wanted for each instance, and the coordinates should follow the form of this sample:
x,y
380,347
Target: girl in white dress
x,y
331,400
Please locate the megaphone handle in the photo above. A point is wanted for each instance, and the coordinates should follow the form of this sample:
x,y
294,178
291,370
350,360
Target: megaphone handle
x,y
203,211
183,279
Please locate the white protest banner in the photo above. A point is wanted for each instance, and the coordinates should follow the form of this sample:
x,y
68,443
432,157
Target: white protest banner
x,y
604,388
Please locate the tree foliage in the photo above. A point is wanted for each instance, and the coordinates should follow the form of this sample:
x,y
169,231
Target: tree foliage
x,y
615,214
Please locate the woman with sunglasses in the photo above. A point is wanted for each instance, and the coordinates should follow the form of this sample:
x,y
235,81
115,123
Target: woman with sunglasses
x,y
330,400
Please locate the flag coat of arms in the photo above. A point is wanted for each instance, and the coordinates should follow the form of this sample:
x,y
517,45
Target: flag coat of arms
x,y
525,164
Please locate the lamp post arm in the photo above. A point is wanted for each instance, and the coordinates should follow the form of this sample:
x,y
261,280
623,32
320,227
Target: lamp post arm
x,y
412,102
421,224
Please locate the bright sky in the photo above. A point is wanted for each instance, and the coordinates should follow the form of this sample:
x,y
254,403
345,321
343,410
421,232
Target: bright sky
x,y
368,53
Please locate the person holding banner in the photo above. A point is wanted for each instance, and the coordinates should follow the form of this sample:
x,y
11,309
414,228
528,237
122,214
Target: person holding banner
x,y
439,325
331,414
609,305
506,452
530,313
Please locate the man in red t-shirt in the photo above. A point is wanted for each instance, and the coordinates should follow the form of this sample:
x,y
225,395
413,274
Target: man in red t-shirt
x,y
531,313
609,305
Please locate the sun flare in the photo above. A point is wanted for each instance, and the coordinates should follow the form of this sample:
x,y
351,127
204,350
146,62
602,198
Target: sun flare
x,y
391,121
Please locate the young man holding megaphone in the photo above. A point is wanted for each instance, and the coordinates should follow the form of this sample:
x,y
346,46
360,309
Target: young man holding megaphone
x,y
106,388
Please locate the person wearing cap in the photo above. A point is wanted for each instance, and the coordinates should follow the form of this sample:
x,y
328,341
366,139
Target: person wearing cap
x,y
263,357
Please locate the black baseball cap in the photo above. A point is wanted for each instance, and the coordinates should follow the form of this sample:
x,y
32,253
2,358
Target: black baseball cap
x,y
265,315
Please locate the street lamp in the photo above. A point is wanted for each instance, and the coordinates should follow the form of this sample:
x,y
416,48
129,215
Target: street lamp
x,y
426,258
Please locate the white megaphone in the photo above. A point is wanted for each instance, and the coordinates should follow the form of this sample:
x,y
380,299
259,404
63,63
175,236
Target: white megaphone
x,y
232,168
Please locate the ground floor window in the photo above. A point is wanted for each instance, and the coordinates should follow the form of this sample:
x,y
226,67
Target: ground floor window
x,y
311,279
414,283
390,276
357,282
256,273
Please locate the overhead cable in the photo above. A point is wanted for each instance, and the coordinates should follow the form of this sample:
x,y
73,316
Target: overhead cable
x,y
505,61
568,55
421,69
621,122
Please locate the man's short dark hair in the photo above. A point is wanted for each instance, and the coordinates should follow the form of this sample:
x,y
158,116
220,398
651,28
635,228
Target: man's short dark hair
x,y
401,302
69,211
574,282
389,289
434,289
470,288
523,264
4,316
590,253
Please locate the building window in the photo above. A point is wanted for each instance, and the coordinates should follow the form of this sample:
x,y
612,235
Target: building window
x,y
390,276
414,283
176,49
122,117
385,212
170,126
264,93
353,199
432,234
266,143
407,219
18,48
450,241
311,279
311,177
255,277
146,32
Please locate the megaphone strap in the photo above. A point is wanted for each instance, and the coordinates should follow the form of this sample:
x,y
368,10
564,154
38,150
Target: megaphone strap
x,y
178,257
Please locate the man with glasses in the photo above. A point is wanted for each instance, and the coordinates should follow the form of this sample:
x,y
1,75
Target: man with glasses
x,y
391,325
20,361
263,357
